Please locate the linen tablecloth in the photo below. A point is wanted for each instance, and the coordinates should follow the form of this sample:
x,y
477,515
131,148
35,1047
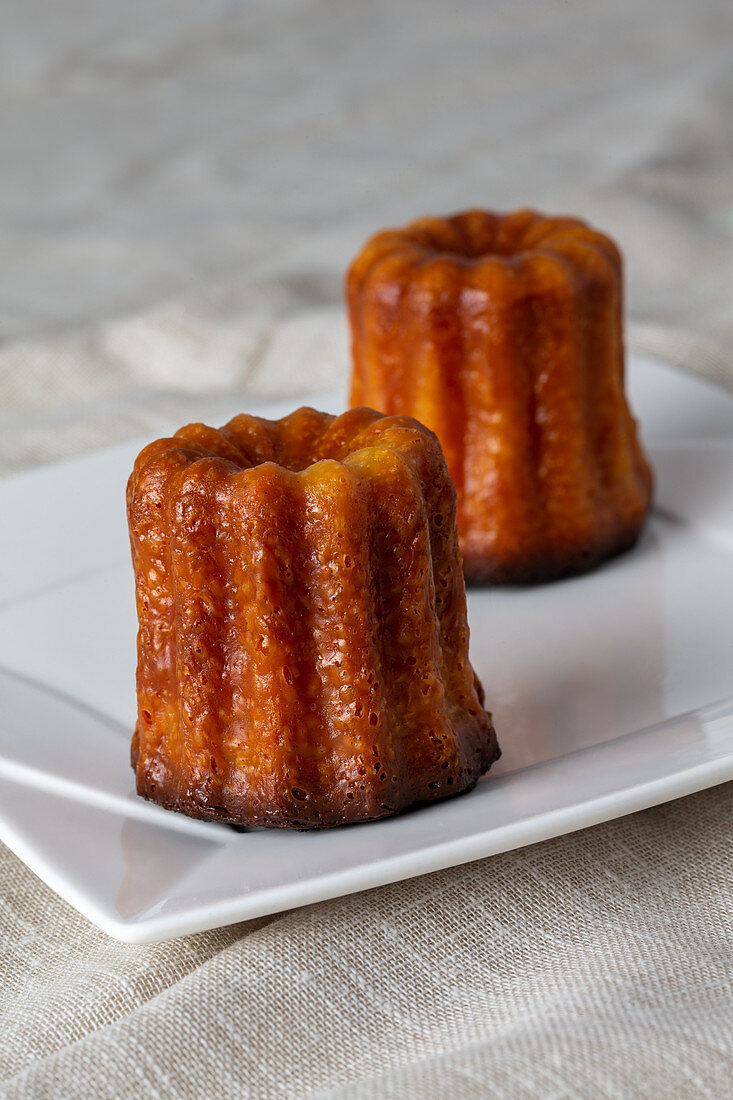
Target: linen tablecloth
x,y
182,187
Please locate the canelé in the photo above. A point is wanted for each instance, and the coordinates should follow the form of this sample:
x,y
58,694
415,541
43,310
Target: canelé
x,y
303,644
503,333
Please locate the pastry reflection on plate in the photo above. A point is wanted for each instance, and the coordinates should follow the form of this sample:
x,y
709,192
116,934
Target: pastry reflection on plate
x,y
563,672
155,859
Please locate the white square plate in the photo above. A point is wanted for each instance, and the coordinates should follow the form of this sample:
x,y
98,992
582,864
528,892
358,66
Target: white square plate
x,y
610,692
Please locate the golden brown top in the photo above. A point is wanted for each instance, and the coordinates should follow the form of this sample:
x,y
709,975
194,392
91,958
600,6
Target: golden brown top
x,y
294,443
480,237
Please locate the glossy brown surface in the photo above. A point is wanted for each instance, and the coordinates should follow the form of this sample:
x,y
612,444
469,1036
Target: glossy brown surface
x,y
303,644
503,333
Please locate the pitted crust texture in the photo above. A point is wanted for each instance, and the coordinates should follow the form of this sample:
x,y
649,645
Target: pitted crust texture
x,y
303,643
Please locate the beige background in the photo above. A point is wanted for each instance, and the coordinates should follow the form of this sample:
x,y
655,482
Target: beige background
x,y
182,186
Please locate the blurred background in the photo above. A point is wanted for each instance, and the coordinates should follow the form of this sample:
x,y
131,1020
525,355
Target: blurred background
x,y
183,185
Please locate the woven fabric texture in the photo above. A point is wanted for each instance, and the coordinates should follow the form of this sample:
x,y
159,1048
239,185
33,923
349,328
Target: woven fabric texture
x,y
182,189
598,964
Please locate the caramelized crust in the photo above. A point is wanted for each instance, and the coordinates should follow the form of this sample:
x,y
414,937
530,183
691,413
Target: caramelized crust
x,y
303,644
503,334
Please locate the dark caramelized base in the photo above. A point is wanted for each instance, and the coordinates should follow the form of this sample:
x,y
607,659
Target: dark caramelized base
x,y
242,811
481,569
